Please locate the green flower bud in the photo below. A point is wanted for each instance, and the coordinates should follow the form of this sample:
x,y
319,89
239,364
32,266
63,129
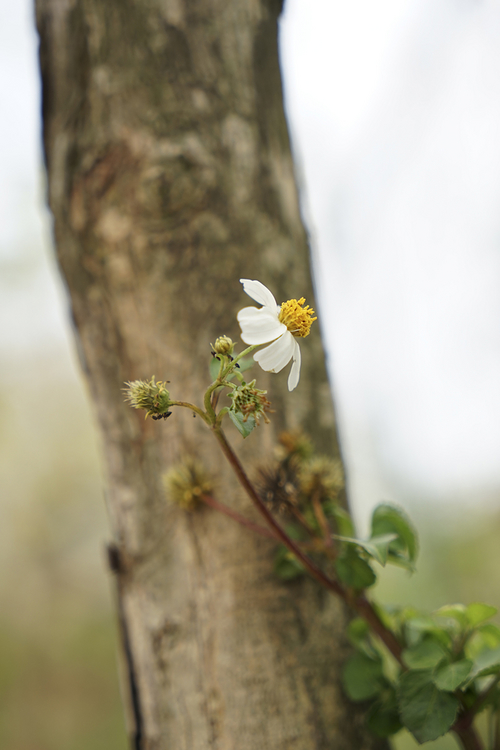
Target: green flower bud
x,y
148,395
250,401
223,345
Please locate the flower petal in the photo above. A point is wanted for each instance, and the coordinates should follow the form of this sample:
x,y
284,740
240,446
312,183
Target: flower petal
x,y
259,293
274,357
259,325
294,376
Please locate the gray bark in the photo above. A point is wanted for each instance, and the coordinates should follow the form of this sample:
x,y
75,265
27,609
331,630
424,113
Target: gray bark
x,y
169,178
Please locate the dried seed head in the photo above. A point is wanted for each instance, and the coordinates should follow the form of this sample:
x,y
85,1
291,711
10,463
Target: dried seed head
x,y
186,482
321,475
294,444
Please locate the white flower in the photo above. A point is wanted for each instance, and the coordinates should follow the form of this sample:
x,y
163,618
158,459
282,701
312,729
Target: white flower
x,y
279,324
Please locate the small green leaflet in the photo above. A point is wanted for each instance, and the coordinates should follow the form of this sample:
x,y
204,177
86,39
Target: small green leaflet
x,y
377,547
425,711
244,428
383,716
477,613
488,662
388,519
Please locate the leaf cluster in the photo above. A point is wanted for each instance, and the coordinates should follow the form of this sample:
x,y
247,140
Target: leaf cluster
x,y
452,666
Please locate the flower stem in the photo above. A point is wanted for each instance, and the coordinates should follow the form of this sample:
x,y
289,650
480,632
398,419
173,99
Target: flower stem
x,y
359,603
216,505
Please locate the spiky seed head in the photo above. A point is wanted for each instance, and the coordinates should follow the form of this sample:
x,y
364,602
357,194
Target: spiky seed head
x,y
148,395
187,482
322,475
250,401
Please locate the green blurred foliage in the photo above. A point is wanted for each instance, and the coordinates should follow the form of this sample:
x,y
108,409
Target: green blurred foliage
x,y
58,635
459,562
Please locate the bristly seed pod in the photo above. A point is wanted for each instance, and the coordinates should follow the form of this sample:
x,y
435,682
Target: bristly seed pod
x,y
250,401
149,395
186,483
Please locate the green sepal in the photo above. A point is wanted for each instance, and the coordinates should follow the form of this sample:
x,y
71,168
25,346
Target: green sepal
x,y
451,676
425,655
383,717
244,428
363,677
425,711
377,547
286,565
388,519
353,571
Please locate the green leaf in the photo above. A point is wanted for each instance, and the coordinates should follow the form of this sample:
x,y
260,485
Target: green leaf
x,y
477,613
376,547
388,519
353,571
488,662
343,520
425,655
425,711
286,565
484,637
454,612
244,428
362,677
451,676
214,367
383,717
416,628
357,631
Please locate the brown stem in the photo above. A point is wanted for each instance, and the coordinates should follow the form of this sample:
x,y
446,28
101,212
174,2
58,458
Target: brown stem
x,y
216,505
321,518
468,737
360,603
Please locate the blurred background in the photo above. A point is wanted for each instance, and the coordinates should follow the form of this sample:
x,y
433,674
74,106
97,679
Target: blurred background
x,y
394,109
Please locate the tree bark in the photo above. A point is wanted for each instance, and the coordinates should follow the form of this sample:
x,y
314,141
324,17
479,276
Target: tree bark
x,y
169,178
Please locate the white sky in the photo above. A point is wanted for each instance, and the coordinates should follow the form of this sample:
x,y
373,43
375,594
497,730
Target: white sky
x,y
395,111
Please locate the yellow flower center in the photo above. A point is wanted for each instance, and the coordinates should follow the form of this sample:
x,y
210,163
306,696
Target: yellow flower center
x,y
296,317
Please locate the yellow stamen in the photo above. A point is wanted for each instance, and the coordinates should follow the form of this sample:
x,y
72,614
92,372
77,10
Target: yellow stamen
x,y
297,318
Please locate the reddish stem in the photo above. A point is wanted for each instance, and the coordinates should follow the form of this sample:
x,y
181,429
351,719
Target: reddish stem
x,y
216,505
360,603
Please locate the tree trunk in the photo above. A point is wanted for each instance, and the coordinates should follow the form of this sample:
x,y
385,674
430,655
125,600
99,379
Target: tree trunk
x,y
170,177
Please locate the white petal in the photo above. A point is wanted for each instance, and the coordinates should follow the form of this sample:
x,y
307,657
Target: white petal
x,y
294,376
259,325
259,293
274,357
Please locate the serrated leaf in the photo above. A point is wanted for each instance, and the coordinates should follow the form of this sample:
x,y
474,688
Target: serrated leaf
x,y
477,613
425,711
425,655
244,428
451,676
286,565
388,519
362,677
383,717
486,663
353,571
376,547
